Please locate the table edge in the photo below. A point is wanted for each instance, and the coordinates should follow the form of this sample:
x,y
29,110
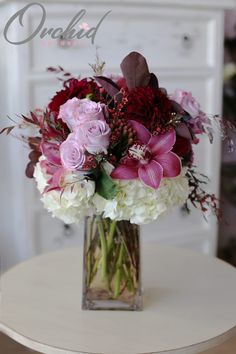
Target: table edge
x,y
47,349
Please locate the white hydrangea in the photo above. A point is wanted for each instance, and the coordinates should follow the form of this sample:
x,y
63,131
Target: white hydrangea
x,y
71,205
140,204
134,201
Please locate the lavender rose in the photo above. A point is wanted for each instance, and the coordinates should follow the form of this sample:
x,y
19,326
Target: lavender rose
x,y
94,135
78,111
72,153
192,107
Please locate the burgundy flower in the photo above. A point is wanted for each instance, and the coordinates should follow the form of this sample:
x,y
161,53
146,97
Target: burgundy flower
x,y
182,146
121,82
151,159
148,106
73,88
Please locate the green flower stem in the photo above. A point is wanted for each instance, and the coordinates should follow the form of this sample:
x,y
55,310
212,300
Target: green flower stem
x,y
95,266
118,271
89,231
130,285
103,247
111,235
127,250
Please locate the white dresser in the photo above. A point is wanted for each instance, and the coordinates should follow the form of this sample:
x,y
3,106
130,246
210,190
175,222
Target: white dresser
x,y
183,43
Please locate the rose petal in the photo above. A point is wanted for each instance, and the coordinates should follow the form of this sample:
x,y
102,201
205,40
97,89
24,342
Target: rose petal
x,y
126,171
151,174
142,133
170,163
163,143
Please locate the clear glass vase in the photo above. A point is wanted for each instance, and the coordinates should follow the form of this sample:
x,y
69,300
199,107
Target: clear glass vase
x,y
111,279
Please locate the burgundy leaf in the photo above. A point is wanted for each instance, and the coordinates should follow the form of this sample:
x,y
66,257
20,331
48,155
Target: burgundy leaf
x,y
177,108
184,131
34,156
135,70
34,118
30,170
28,120
51,69
109,86
34,143
153,81
7,130
163,90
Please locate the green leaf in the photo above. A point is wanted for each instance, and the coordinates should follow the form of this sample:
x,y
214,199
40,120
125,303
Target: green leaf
x,y
105,186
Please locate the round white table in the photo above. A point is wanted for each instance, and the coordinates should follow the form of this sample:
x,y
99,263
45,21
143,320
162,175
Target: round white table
x,y
189,306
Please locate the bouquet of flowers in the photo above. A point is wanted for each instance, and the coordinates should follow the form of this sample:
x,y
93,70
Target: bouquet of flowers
x,y
120,148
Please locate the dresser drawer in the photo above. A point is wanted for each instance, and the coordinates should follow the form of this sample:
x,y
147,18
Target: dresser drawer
x,y
170,38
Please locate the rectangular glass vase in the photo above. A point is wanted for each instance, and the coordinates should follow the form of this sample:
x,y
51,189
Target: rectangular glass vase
x,y
112,277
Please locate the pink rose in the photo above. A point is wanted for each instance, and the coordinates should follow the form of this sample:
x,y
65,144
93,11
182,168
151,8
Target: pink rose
x,y
94,135
72,153
192,107
77,111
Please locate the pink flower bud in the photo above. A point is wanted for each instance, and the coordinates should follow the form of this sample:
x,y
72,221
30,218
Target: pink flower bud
x,y
192,107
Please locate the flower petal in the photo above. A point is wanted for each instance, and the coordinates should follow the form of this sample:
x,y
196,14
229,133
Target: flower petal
x,y
51,152
184,131
151,174
160,144
142,133
55,182
170,163
126,171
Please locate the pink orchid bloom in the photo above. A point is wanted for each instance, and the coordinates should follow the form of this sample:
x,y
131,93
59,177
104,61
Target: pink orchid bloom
x,y
54,183
151,159
51,152
52,165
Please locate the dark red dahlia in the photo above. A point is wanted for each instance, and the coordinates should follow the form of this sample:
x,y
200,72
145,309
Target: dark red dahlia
x,y
74,88
149,106
121,82
182,146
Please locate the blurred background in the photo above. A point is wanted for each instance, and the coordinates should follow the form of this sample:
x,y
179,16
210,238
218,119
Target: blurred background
x,y
184,46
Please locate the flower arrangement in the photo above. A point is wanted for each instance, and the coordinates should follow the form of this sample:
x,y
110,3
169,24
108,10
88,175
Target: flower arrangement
x,y
121,148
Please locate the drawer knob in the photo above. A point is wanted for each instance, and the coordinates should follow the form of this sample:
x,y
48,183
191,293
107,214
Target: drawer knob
x,y
187,41
68,231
